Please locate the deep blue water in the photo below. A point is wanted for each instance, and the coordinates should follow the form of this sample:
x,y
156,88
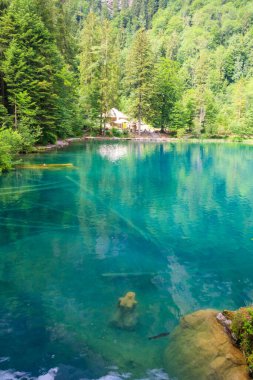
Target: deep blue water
x,y
171,222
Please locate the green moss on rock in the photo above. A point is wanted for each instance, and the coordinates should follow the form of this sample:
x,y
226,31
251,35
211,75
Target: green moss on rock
x,y
242,328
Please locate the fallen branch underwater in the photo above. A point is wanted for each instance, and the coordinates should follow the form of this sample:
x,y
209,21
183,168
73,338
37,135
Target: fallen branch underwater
x,y
162,335
125,275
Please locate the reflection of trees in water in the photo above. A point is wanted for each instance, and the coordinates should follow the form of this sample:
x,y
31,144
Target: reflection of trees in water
x,y
181,203
190,202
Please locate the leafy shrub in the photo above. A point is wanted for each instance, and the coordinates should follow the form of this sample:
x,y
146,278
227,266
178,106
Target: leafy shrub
x,y
236,139
94,131
116,132
4,118
49,137
30,134
180,133
12,139
125,132
10,145
242,327
87,124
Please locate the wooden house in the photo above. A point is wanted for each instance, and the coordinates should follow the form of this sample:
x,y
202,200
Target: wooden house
x,y
117,118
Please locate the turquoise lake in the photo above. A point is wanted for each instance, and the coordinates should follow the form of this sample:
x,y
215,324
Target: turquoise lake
x,y
171,222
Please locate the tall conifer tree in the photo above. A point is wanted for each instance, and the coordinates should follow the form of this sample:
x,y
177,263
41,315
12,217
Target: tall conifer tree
x,y
139,71
35,74
99,69
166,92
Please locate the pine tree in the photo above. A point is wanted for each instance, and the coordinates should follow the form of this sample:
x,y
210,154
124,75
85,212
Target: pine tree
x,y
166,92
3,115
3,96
59,18
99,71
109,75
115,8
89,67
34,69
200,79
139,77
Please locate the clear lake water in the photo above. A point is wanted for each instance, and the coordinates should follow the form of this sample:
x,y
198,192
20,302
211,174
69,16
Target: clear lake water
x,y
171,222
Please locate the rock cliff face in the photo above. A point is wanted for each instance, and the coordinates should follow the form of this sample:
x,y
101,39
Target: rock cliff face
x,y
199,349
119,4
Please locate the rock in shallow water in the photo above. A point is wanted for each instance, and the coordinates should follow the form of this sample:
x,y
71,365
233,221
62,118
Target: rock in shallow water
x,y
126,317
199,349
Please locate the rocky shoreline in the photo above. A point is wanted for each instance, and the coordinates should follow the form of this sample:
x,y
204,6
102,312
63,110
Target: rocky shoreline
x,y
147,138
58,145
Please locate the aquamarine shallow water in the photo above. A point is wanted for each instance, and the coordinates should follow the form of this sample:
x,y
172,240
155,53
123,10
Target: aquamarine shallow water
x,y
175,219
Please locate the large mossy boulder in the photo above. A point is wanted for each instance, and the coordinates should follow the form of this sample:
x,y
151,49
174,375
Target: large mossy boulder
x,y
200,349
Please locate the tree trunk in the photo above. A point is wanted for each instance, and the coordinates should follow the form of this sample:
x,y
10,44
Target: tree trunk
x,y
202,116
163,116
139,115
2,88
104,123
101,123
15,116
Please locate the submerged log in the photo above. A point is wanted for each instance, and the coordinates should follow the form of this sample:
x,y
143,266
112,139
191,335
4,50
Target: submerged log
x,y
128,274
45,166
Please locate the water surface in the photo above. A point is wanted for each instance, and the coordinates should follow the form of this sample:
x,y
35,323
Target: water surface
x,y
171,222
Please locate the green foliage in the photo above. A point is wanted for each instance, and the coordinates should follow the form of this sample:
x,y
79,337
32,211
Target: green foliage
x,y
116,132
35,74
212,41
125,133
93,130
99,69
180,133
193,69
236,139
242,327
167,89
139,76
89,67
30,135
38,85
4,119
250,362
183,113
10,145
178,65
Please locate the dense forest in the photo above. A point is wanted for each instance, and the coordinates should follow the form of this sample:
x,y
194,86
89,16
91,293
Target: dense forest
x,y
184,67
